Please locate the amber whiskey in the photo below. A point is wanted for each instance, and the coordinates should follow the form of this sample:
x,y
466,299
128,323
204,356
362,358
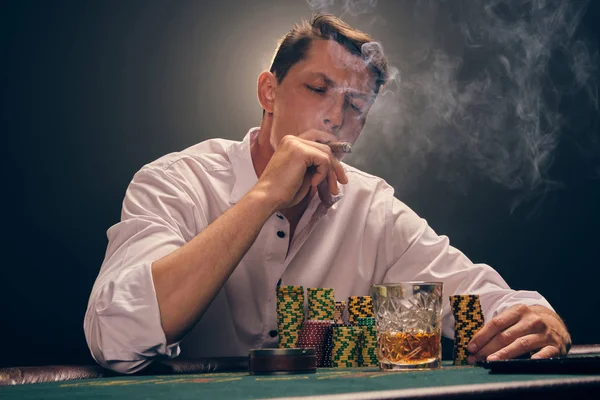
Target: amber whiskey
x,y
409,348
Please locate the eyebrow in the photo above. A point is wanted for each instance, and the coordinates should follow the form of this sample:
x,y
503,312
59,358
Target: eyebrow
x,y
351,93
328,81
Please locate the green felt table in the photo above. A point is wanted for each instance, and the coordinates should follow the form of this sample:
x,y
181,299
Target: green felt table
x,y
361,383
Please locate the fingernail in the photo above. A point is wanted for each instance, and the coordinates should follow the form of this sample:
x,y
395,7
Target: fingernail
x,y
472,347
493,358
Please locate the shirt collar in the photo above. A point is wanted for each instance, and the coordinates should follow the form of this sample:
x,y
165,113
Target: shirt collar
x,y
243,169
245,175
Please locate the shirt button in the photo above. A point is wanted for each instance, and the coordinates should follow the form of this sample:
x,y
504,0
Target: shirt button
x,y
273,333
281,234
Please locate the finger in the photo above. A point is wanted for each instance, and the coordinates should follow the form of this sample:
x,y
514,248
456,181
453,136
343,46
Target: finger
x,y
499,323
304,187
324,194
332,180
340,174
522,345
524,327
547,352
339,171
328,188
321,164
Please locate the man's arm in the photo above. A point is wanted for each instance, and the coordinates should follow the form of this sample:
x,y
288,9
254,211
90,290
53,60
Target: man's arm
x,y
187,280
160,275
517,321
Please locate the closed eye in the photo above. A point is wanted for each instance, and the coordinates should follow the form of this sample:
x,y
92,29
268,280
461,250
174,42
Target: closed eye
x,y
355,108
316,89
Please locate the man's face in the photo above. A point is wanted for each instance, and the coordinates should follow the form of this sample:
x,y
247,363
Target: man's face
x,y
329,90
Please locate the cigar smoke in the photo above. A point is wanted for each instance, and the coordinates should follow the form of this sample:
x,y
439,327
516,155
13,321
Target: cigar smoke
x,y
481,92
351,7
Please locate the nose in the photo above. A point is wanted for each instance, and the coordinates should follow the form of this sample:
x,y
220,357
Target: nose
x,y
333,115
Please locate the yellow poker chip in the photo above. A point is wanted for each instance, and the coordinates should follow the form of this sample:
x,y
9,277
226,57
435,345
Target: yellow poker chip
x,y
469,320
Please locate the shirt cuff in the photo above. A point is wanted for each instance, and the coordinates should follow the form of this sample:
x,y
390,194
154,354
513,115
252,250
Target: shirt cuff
x,y
128,319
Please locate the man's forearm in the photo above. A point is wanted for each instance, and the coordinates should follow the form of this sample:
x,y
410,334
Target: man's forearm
x,y
187,280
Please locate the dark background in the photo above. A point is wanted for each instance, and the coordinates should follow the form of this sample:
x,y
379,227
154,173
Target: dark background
x,y
91,91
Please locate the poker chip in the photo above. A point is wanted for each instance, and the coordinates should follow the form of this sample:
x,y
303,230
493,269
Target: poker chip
x,y
321,303
290,314
323,331
328,347
282,361
359,307
338,314
468,320
346,345
314,335
365,321
368,344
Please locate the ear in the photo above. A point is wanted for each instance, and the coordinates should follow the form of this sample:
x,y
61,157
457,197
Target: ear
x,y
267,83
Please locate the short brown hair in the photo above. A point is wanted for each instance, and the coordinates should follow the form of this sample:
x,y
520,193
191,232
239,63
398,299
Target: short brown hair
x,y
293,47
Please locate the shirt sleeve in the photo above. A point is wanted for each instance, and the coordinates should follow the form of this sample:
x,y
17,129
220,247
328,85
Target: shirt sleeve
x,y
122,322
420,254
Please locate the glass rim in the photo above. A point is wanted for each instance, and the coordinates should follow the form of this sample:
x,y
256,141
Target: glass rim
x,y
408,283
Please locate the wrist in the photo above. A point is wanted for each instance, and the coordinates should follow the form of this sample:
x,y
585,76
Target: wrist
x,y
260,199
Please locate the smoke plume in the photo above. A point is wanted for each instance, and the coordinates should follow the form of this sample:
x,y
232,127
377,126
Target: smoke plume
x,y
480,92
351,7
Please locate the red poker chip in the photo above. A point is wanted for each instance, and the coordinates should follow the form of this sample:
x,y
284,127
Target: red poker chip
x,y
309,336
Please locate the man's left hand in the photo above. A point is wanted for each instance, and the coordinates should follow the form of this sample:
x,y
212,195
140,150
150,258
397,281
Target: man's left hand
x,y
518,330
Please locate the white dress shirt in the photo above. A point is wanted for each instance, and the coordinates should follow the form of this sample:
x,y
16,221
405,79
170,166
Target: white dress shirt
x,y
366,237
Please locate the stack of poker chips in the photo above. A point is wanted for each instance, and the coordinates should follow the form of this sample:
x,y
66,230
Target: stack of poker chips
x,y
368,352
338,315
359,307
321,303
290,314
313,335
328,346
468,320
345,351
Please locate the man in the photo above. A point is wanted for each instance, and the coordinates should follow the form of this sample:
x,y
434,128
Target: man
x,y
206,234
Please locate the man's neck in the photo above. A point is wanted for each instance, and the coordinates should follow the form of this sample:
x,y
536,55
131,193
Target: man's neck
x,y
260,149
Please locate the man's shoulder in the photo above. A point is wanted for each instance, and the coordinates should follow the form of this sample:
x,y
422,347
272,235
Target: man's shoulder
x,y
208,155
363,180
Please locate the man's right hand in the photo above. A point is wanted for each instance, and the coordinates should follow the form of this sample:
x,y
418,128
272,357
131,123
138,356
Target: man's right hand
x,y
298,166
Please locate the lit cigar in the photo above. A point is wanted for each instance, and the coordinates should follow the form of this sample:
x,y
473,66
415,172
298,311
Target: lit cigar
x,y
340,147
